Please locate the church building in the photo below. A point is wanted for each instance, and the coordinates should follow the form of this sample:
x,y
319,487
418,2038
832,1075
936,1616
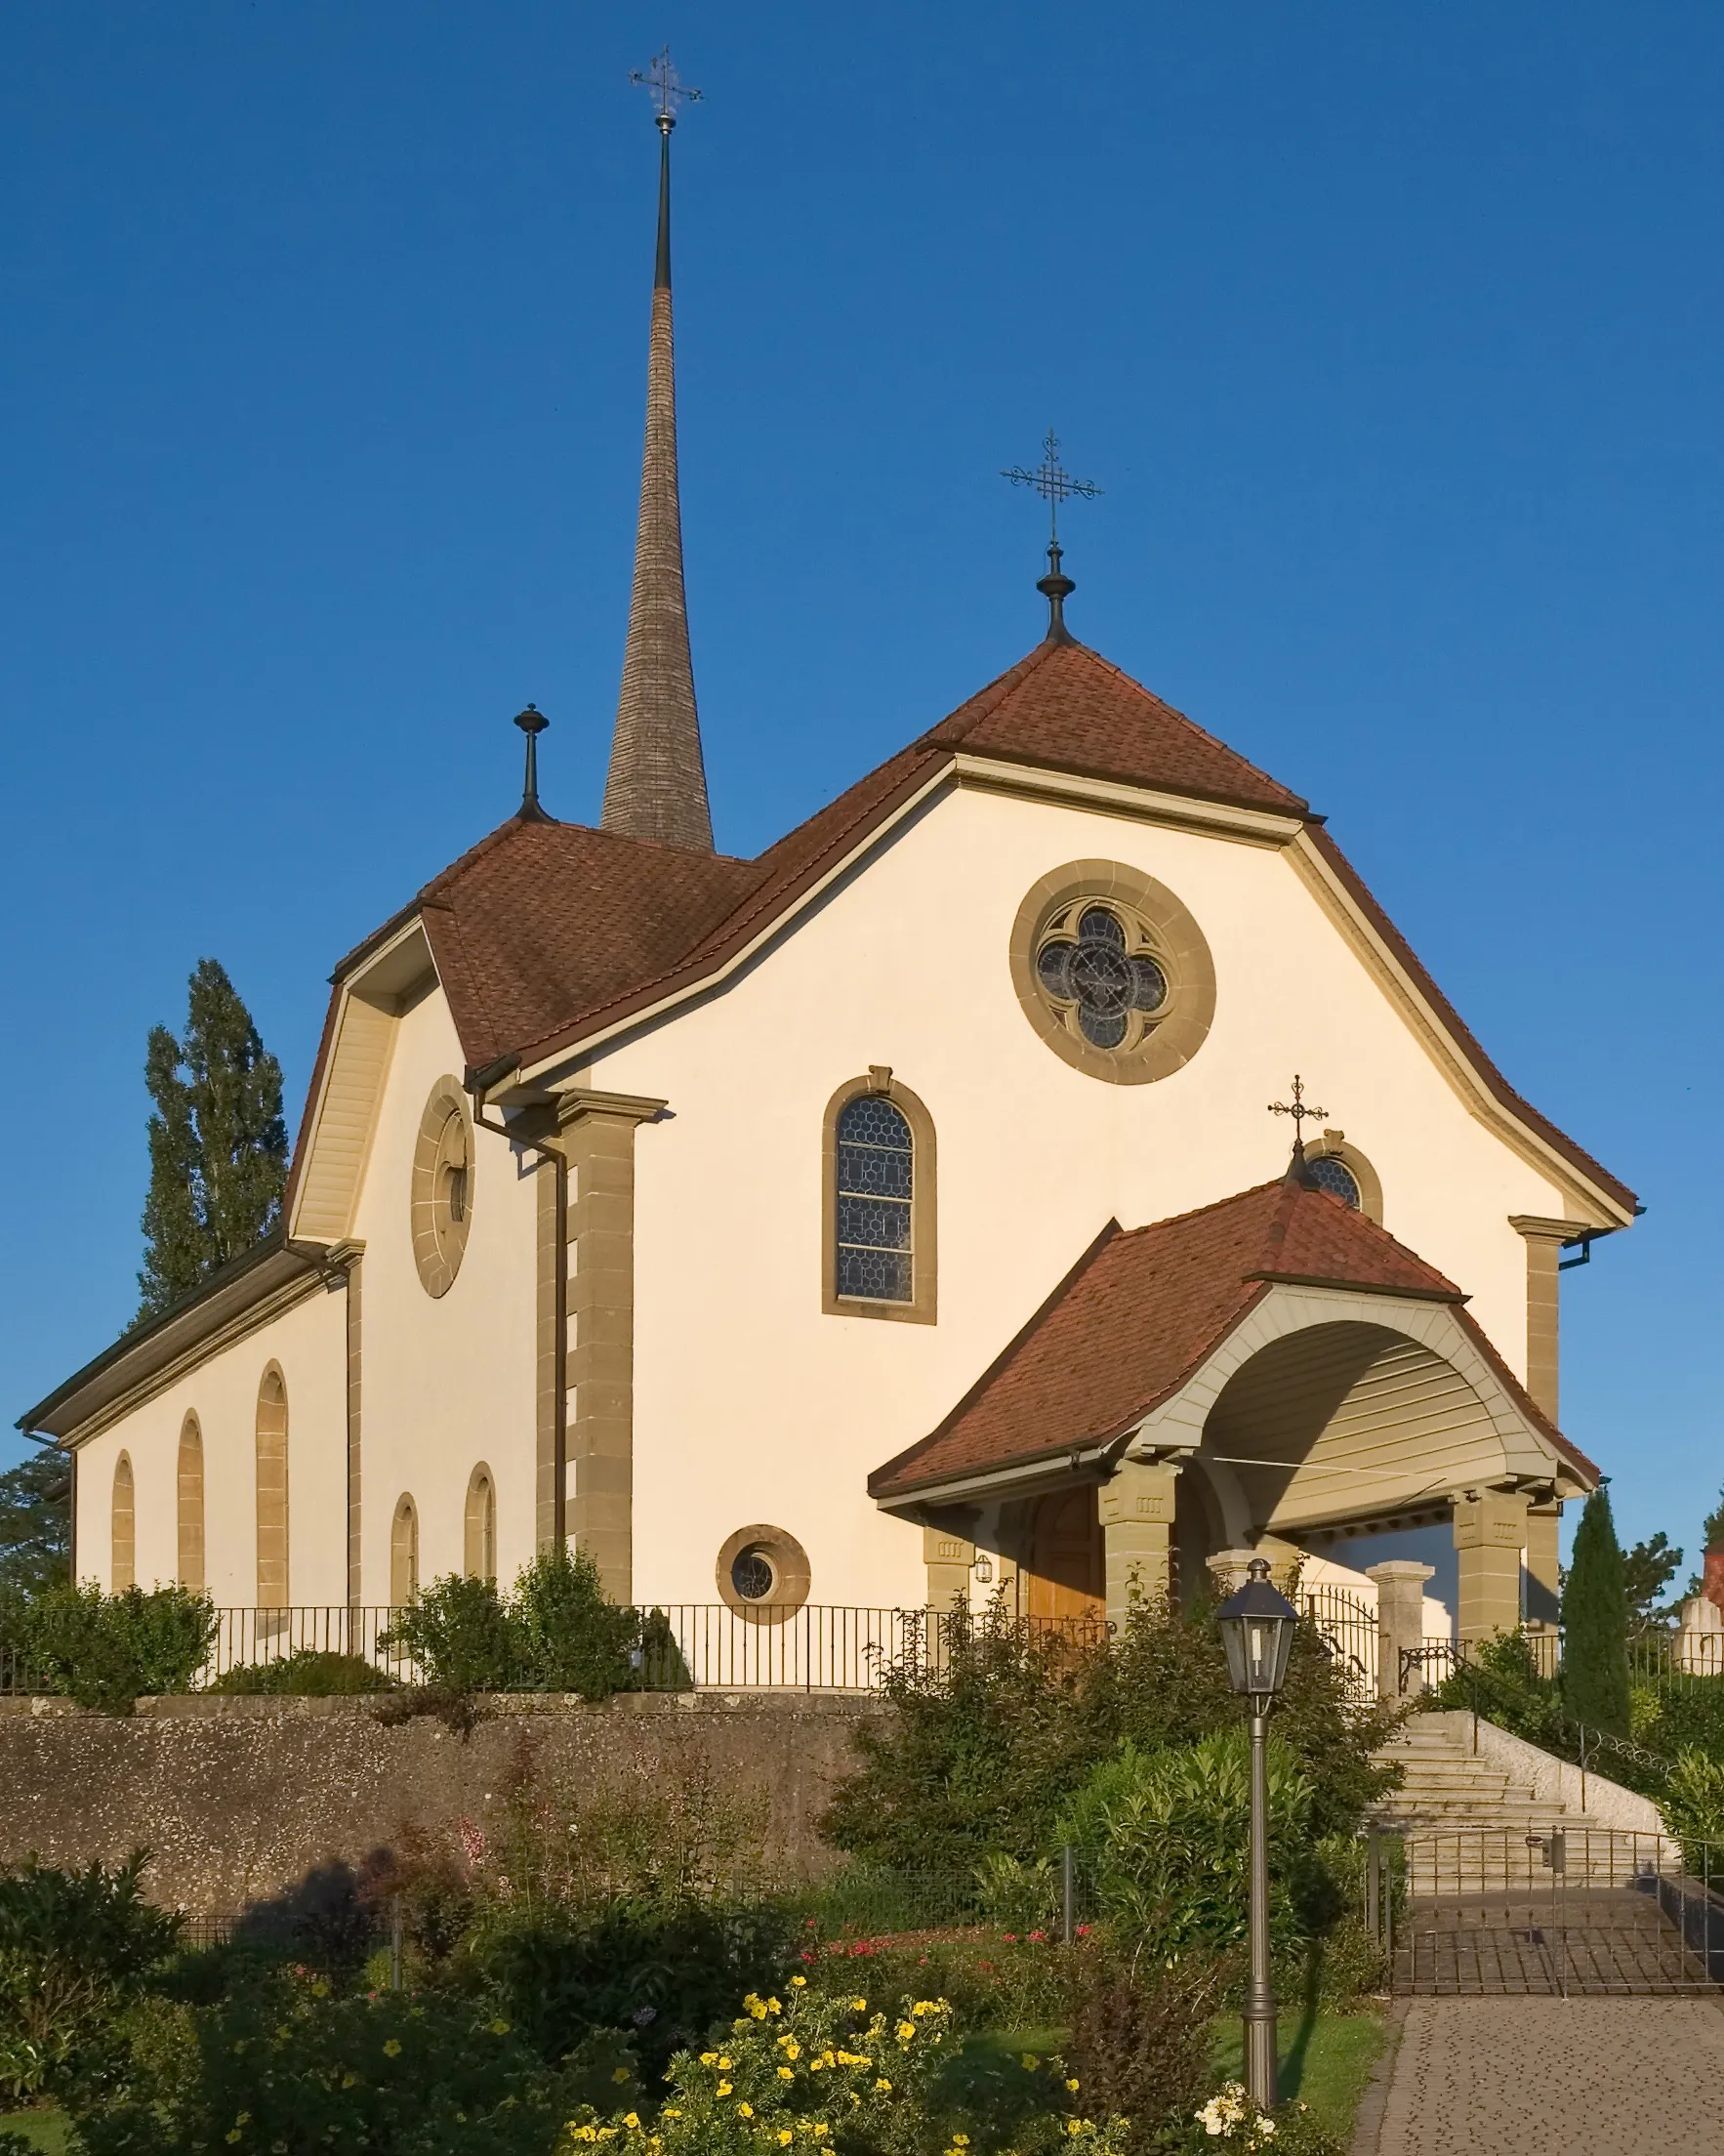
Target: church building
x,y
895,1214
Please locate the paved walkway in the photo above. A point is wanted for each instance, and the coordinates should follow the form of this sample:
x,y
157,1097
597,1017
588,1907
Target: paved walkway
x,y
1551,2077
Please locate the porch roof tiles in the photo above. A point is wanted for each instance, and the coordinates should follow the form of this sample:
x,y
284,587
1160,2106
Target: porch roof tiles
x,y
1140,1313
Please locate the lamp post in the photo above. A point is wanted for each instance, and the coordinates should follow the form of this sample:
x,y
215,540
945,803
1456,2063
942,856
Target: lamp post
x,y
1258,1625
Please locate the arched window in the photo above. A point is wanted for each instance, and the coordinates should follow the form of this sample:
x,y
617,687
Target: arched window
x,y
481,1526
123,1564
272,1451
880,1201
1343,1171
189,1484
404,1553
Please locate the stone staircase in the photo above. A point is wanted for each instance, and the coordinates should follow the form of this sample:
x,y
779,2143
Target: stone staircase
x,y
1469,1828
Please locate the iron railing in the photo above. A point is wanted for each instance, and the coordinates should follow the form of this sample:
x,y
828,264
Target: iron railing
x,y
1346,1625
682,1646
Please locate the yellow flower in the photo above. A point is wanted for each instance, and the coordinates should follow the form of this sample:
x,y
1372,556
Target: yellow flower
x,y
392,2048
1029,2063
631,2119
723,2087
349,2081
786,2073
498,2027
884,2087
785,2137
773,2006
709,2058
670,2112
960,2140
797,1983
745,2110
906,2030
859,2004
724,2063
789,2046
925,2005
1072,2085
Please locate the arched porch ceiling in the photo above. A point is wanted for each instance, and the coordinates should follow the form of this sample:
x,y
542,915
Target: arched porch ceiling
x,y
1326,1407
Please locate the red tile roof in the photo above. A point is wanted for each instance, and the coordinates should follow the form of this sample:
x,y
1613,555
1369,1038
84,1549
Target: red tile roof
x,y
545,932
1067,708
1140,1314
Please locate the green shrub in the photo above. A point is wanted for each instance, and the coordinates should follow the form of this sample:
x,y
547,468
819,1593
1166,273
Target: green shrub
x,y
571,1637
109,1650
555,1632
460,1633
287,2064
1693,1806
990,1740
73,1947
1139,2047
994,1979
1172,1863
660,1977
310,1673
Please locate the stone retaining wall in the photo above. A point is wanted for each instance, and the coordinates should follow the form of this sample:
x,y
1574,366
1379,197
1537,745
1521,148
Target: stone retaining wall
x,y
239,1799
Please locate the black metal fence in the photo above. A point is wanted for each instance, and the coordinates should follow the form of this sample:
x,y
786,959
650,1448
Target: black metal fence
x,y
683,1647
1554,1910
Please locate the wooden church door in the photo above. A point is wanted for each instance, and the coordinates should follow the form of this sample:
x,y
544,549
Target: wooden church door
x,y
1067,1575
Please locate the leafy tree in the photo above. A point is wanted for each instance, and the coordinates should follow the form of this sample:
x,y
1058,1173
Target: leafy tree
x,y
36,1524
1647,1571
1711,1535
217,1145
1595,1623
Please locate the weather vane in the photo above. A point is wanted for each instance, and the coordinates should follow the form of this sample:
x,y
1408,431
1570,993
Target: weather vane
x,y
1301,1113
661,79
1055,484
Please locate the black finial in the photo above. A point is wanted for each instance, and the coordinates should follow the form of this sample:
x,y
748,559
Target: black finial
x,y
532,722
1054,484
1298,1168
668,93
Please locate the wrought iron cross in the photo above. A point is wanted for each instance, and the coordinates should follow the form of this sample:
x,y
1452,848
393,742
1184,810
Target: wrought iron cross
x,y
1054,482
1301,1113
661,79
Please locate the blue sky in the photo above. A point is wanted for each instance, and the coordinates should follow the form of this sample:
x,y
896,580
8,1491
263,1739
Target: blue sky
x,y
1392,335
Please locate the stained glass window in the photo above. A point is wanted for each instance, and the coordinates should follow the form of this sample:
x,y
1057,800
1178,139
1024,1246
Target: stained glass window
x,y
752,1575
1336,1177
876,1186
1107,981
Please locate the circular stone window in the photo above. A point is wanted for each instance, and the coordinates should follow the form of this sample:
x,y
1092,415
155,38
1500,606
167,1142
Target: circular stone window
x,y
1112,972
762,1574
443,1188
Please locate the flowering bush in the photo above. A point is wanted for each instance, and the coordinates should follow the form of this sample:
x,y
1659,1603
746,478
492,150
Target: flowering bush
x,y
991,1979
828,2072
1233,2121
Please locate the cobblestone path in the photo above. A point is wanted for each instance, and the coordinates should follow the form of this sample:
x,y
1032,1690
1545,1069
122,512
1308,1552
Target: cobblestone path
x,y
1551,2077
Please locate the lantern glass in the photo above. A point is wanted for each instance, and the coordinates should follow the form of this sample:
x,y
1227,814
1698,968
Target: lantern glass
x,y
1258,1625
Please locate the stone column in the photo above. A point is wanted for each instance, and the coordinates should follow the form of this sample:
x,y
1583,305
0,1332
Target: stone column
x,y
1400,1621
948,1558
1543,1591
1230,1569
597,1138
1490,1537
1544,1239
1136,1511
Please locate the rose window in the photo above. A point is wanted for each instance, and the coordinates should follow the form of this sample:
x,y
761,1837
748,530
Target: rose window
x,y
1104,979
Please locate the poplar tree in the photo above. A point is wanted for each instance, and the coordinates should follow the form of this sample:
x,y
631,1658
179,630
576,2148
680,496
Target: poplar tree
x,y
1595,1623
217,1145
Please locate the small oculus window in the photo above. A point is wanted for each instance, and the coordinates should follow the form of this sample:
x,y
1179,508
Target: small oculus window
x,y
751,1574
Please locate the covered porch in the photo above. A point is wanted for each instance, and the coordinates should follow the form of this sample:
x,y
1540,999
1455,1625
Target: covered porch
x,y
1272,1376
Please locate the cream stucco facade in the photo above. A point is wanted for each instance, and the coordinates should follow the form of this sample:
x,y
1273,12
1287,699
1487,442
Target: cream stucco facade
x,y
693,1321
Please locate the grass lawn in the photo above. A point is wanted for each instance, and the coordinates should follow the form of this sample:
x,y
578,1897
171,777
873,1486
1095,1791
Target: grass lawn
x,y
1325,2060
44,2130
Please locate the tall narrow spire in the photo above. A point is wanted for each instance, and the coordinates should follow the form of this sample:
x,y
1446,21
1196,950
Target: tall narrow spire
x,y
656,787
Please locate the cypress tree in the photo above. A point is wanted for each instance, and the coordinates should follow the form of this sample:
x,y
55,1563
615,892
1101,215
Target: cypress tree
x,y
36,1524
1595,1623
217,1145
